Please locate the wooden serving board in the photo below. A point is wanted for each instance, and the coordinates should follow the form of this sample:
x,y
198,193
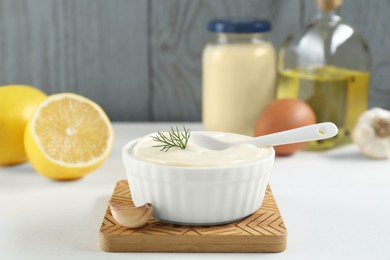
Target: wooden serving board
x,y
263,231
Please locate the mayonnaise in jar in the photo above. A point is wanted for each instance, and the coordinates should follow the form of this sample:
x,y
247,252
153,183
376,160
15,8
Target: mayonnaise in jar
x,y
239,71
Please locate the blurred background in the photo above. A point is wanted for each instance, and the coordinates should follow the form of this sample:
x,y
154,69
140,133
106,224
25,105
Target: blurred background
x,y
141,59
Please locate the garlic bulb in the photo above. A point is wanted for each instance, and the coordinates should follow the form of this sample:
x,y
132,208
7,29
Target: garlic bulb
x,y
129,216
372,133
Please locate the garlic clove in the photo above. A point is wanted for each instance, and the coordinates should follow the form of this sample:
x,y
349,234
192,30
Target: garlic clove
x,y
129,216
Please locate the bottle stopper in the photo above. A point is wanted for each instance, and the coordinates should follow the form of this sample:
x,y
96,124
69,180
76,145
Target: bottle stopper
x,y
328,5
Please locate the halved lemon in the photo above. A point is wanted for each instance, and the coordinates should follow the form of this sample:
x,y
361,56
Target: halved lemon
x,y
68,137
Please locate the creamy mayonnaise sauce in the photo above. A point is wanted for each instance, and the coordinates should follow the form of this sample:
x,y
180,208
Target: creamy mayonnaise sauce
x,y
197,156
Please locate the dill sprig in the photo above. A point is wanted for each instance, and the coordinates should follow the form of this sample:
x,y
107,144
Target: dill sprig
x,y
175,139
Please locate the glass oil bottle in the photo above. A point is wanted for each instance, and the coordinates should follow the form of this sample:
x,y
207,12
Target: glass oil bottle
x,y
328,66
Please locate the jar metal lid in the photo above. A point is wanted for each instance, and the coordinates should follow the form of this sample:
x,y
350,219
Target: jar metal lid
x,y
242,25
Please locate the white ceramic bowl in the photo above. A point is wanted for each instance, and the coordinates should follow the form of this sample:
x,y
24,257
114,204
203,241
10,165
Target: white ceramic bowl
x,y
198,195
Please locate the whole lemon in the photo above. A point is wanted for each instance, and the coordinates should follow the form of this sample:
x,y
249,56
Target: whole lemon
x,y
17,104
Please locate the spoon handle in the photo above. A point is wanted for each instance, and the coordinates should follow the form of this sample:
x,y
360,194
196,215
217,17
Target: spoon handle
x,y
302,134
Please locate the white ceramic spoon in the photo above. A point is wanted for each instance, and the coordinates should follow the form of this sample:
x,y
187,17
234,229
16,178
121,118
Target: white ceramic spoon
x,y
302,134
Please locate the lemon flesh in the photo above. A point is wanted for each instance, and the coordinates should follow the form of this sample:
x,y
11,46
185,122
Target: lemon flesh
x,y
68,137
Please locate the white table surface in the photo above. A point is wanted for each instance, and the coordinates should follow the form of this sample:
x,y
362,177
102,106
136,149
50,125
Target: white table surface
x,y
335,205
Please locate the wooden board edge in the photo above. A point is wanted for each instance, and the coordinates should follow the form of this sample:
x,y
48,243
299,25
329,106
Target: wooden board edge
x,y
110,243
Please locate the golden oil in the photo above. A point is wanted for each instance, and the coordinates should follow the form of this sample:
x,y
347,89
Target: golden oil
x,y
336,95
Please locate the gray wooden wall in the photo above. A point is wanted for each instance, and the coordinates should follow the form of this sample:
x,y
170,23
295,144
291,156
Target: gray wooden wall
x,y
141,59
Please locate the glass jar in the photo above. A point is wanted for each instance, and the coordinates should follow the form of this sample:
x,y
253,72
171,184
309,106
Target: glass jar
x,y
239,71
328,66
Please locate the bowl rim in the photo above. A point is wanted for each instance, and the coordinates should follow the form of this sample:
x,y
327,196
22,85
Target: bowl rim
x,y
131,144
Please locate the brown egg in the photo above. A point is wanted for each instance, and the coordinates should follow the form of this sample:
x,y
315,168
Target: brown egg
x,y
285,114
